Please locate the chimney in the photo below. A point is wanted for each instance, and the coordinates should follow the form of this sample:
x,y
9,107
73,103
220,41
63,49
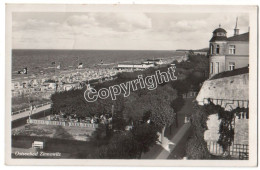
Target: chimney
x,y
236,30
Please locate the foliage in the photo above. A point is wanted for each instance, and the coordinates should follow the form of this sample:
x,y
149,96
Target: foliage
x,y
195,148
121,146
156,102
101,135
130,144
118,121
177,104
159,106
226,127
145,135
199,124
182,86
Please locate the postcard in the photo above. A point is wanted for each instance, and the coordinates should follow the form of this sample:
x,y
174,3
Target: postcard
x,y
131,85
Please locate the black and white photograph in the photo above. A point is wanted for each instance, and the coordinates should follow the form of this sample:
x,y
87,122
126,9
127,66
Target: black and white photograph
x,y
119,82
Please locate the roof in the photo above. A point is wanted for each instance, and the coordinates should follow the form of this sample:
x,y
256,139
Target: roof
x,y
234,72
219,30
240,37
218,38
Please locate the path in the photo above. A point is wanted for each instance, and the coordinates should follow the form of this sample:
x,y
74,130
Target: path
x,y
157,150
26,113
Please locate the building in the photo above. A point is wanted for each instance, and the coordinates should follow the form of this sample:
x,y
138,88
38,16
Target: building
x,y
134,66
228,87
228,53
230,90
154,61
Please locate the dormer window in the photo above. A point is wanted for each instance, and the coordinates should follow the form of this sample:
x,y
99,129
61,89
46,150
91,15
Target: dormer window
x,y
217,49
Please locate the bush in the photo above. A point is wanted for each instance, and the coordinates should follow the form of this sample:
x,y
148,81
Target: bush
x,y
121,146
129,144
146,136
196,148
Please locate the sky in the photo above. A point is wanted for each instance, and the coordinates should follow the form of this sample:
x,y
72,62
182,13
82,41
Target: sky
x,y
120,30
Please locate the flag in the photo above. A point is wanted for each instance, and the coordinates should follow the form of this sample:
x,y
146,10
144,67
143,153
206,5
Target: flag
x,y
23,71
80,65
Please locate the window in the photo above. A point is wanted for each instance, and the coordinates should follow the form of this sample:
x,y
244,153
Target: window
x,y
231,66
217,68
232,49
217,49
211,49
221,34
211,68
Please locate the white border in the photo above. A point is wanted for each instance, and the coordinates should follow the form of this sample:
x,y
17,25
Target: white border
x,y
168,8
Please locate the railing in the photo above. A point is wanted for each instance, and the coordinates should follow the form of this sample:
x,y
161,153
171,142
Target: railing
x,y
27,109
235,150
59,123
225,102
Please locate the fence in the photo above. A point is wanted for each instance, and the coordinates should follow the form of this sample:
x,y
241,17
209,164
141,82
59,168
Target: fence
x,y
59,123
27,109
235,150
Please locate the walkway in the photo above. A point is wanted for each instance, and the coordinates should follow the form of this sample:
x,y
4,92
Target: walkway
x,y
26,113
162,151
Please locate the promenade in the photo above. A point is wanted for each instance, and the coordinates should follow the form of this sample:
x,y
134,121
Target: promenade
x,y
27,112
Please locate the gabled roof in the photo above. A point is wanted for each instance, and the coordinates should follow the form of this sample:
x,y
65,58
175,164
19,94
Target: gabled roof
x,y
240,37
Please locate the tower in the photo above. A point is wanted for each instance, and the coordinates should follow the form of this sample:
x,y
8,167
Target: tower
x,y
217,46
219,37
236,30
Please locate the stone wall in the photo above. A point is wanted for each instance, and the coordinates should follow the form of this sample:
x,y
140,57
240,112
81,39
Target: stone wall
x,y
241,130
213,126
230,93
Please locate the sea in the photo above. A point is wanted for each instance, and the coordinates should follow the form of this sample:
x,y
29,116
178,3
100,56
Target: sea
x,y
40,62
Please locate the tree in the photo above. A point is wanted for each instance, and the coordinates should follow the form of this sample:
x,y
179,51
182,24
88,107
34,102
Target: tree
x,y
191,52
145,135
101,135
162,114
177,104
121,146
182,86
118,121
196,147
